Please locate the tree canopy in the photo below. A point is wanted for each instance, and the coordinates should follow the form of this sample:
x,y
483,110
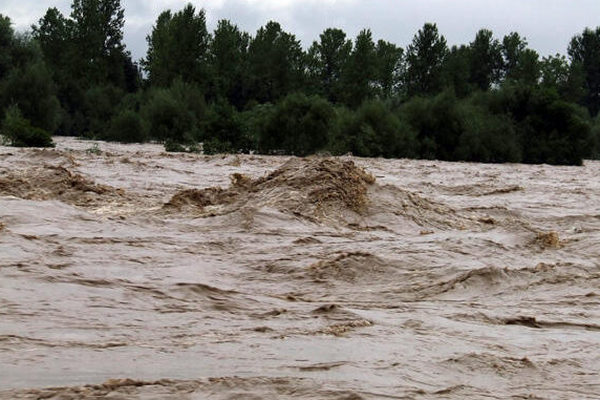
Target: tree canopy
x,y
492,99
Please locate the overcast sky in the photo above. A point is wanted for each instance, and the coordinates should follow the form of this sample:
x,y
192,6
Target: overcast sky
x,y
547,24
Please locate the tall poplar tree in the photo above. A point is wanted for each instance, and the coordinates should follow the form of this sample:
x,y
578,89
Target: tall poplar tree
x,y
98,40
389,68
327,59
6,41
520,64
275,64
425,59
228,53
54,34
178,47
361,70
486,60
584,50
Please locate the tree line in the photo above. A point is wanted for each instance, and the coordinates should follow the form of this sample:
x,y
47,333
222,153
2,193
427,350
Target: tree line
x,y
491,100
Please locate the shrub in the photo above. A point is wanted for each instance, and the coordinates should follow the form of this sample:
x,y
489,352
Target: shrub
x,y
216,146
254,123
550,130
174,113
126,127
72,99
594,144
94,149
487,137
438,123
101,103
20,133
174,147
32,89
514,123
373,131
299,125
224,130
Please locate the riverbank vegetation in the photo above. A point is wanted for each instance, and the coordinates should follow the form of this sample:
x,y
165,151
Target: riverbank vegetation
x,y
491,100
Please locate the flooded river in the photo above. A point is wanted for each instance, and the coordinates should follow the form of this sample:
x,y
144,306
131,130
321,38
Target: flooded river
x,y
127,272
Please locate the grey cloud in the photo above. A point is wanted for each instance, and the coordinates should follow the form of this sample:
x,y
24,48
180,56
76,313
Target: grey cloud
x,y
547,24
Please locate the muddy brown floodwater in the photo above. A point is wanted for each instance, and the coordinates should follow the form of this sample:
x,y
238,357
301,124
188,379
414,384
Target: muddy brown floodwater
x,y
128,273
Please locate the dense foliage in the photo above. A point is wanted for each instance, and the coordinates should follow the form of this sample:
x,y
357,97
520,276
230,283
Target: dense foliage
x,y
491,100
18,131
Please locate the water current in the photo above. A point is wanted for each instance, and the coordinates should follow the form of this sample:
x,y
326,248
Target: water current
x,y
130,273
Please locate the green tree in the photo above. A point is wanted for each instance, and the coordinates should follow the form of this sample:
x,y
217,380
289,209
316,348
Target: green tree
x,y
27,82
486,60
513,45
456,71
178,48
228,59
83,52
520,64
98,40
584,50
159,61
254,123
361,69
529,70
576,89
425,58
389,68
594,144
486,136
6,44
54,34
568,80
327,59
554,71
275,64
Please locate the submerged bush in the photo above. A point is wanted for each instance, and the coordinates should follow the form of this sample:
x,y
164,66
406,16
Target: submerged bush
x,y
174,113
101,103
438,122
487,137
32,89
216,146
594,142
254,123
126,127
21,133
299,125
511,124
549,129
374,131
224,130
174,147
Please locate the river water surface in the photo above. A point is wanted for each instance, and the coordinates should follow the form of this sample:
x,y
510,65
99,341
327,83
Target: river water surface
x,y
127,272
